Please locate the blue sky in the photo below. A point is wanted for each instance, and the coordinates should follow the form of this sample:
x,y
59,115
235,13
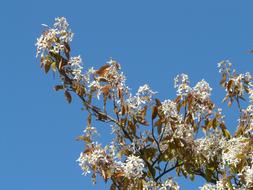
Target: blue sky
x,y
153,41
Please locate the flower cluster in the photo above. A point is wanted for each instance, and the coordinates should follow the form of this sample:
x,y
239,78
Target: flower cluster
x,y
224,67
142,98
133,168
169,109
248,176
245,125
232,150
202,90
235,84
219,186
54,39
181,82
76,67
210,146
168,184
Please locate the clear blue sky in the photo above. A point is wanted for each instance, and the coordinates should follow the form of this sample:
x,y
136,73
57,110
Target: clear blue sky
x,y
153,40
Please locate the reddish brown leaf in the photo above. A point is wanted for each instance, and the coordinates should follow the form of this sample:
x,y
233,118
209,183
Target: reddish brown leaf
x,y
47,66
106,90
223,80
102,70
158,102
154,112
158,123
58,87
68,96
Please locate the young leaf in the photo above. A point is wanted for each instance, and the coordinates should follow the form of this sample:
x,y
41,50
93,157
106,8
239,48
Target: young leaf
x,y
154,112
68,96
58,87
102,70
47,66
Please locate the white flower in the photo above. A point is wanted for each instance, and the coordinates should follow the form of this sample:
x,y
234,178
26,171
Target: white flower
x,y
87,76
224,66
46,41
203,90
219,186
114,76
83,163
53,39
133,168
143,97
181,82
95,85
137,144
169,184
145,91
211,146
61,23
248,175
232,149
208,186
169,109
90,131
86,161
76,68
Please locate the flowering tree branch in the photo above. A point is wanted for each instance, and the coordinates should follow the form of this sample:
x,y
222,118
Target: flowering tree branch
x,y
151,137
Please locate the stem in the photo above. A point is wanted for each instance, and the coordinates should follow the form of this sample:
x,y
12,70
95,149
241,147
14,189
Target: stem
x,y
168,170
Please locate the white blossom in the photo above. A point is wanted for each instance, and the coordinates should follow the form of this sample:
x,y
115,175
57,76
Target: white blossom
x,y
87,76
133,168
248,175
210,146
181,82
224,66
86,161
208,186
114,76
169,109
232,149
203,90
53,39
169,184
76,68
143,97
220,185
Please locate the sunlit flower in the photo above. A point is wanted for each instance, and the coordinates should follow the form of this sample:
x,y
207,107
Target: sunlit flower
x,y
133,167
181,82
